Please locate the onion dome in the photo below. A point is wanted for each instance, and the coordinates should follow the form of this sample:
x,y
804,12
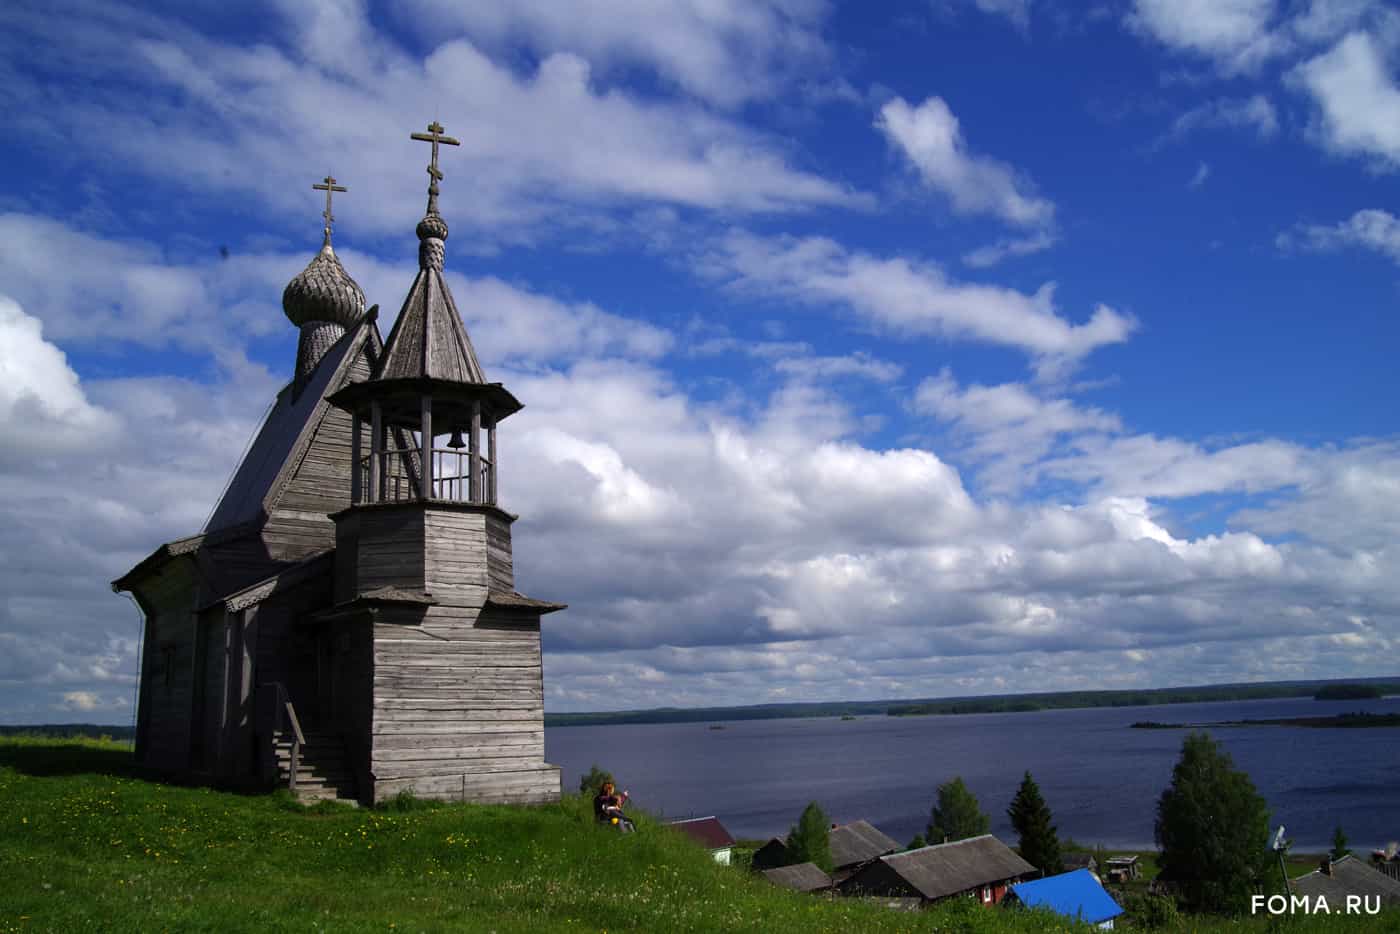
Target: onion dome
x,y
324,291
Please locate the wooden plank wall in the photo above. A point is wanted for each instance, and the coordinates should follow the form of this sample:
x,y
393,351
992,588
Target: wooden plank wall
x,y
320,485
390,548
459,709
286,652
168,674
499,568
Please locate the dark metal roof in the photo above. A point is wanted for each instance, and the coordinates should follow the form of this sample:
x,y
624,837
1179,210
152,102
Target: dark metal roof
x,y
253,492
1349,876
706,831
962,866
804,877
858,842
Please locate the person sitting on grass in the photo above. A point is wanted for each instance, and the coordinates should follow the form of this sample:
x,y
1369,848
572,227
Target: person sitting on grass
x,y
607,808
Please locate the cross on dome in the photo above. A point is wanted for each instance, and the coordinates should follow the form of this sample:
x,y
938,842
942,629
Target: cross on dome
x,y
434,136
328,185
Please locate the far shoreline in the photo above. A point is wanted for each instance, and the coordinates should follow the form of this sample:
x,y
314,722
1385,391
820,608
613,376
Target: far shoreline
x,y
1001,703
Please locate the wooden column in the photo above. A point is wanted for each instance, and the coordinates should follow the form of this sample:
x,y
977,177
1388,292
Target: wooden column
x,y
425,446
355,479
376,453
474,455
491,457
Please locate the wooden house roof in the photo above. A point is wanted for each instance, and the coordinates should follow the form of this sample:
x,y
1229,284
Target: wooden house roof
x,y
706,831
952,868
858,842
804,877
1348,876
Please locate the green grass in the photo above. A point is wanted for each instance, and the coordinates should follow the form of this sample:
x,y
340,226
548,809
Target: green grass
x,y
85,844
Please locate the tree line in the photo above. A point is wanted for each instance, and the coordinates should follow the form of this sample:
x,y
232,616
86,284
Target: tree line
x,y
1211,829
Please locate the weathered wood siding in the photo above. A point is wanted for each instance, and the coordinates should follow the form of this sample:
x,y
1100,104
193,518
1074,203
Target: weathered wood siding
x,y
168,670
390,552
499,568
320,485
459,707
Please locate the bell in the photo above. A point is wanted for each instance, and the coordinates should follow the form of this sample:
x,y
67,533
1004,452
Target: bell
x,y
456,441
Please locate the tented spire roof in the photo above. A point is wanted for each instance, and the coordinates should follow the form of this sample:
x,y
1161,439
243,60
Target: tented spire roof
x,y
429,339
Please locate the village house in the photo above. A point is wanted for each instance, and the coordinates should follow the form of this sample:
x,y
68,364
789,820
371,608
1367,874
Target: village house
x,y
802,877
1076,895
852,845
347,621
1122,869
709,833
1336,879
1388,860
979,867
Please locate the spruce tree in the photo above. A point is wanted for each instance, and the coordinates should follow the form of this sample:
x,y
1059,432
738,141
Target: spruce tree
x,y
956,815
1030,816
810,840
1212,829
1339,843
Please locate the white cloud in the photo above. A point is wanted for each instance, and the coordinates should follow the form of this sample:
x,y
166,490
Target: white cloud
x,y
43,409
1199,178
1256,113
993,253
913,298
1370,229
1017,11
1357,99
929,136
224,107
858,364
1234,33
723,51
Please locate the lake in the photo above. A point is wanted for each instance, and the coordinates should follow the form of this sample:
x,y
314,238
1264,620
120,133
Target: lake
x,y
1100,778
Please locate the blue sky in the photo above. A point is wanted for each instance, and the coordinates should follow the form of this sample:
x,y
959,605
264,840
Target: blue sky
x,y
944,348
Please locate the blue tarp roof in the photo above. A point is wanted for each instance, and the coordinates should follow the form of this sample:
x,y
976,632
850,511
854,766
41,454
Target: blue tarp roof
x,y
1074,894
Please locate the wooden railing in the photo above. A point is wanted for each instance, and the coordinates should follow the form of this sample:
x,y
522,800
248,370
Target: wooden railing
x,y
452,479
275,713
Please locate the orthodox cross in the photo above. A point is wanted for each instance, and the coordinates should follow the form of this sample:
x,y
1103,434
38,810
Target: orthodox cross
x,y
434,136
328,185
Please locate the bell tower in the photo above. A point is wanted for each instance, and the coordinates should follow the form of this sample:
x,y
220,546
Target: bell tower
x,y
423,567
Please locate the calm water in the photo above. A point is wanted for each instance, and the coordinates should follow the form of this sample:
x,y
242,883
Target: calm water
x,y
1101,779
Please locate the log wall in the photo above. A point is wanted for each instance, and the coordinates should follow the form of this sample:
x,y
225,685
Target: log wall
x,y
167,673
458,708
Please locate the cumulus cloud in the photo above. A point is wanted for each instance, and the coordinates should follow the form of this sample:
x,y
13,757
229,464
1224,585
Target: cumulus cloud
x,y
1357,99
725,52
930,138
912,298
1236,34
1370,229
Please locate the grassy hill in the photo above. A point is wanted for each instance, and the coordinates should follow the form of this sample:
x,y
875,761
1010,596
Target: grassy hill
x,y
87,845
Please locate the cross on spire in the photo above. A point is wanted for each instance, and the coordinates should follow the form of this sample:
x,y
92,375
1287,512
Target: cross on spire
x,y
434,136
328,185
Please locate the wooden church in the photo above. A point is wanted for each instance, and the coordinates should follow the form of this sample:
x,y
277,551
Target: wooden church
x,y
347,623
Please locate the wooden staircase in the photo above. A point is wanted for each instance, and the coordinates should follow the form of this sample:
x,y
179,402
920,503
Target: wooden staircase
x,y
321,770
